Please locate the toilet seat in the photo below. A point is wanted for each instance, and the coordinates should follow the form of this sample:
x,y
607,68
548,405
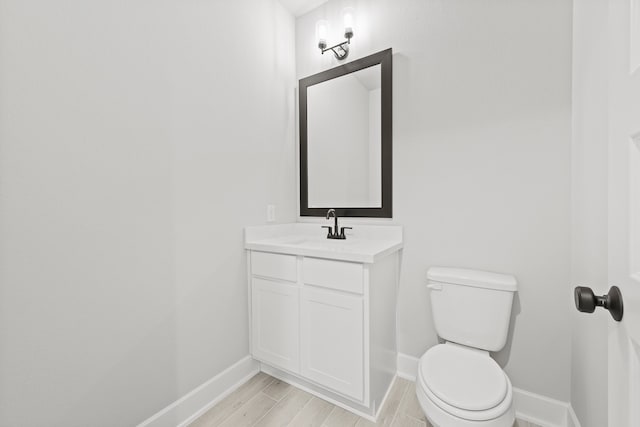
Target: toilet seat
x,y
464,382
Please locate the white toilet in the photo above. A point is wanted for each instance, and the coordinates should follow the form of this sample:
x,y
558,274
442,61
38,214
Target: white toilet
x,y
459,384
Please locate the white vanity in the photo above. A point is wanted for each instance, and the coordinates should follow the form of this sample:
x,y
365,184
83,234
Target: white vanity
x,y
323,312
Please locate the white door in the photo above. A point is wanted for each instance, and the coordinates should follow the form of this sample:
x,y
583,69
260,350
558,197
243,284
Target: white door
x,y
275,323
624,210
332,340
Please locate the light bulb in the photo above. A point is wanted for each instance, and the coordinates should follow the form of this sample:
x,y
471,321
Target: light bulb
x,y
347,18
321,34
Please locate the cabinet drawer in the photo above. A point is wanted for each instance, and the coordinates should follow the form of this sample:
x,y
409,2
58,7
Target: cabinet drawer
x,y
277,266
340,275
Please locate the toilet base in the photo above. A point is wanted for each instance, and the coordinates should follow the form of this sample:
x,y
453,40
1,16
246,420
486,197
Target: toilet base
x,y
439,418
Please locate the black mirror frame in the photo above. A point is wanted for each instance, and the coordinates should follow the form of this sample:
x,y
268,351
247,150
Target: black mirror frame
x,y
384,58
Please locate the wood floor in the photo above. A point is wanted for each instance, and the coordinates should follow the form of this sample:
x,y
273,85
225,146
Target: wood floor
x,y
264,401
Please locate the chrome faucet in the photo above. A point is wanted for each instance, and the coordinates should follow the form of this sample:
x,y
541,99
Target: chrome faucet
x,y
335,234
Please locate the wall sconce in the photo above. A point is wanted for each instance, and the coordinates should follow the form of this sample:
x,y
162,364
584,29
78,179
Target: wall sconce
x,y
341,50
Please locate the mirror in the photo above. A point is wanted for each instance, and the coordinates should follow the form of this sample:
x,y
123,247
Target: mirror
x,y
351,147
345,139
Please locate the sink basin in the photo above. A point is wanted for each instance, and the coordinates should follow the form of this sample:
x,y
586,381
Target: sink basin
x,y
363,245
318,242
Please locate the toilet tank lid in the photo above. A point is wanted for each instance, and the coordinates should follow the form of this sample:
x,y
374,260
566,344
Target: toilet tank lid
x,y
477,278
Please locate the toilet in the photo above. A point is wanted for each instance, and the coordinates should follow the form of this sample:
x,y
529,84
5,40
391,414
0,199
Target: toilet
x,y
458,383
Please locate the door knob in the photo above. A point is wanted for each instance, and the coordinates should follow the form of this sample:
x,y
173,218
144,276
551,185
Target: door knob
x,y
587,302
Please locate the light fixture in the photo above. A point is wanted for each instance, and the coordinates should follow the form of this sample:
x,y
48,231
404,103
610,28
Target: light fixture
x,y
341,50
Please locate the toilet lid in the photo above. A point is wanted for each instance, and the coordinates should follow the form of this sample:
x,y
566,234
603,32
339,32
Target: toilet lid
x,y
463,378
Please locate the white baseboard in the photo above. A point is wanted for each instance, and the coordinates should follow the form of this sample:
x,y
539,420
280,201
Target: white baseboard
x,y
535,408
407,367
541,410
199,400
572,419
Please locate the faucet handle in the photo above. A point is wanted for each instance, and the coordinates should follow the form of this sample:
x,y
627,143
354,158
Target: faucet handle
x,y
342,236
329,233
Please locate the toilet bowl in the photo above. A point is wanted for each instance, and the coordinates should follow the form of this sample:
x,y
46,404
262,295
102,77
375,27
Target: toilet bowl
x,y
462,387
458,383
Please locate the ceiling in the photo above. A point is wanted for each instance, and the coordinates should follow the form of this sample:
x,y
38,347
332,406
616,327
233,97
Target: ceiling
x,y
300,7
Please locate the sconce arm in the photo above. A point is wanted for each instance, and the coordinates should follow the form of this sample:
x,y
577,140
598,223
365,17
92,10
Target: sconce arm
x,y
341,50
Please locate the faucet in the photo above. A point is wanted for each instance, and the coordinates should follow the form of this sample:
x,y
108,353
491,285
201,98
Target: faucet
x,y
335,234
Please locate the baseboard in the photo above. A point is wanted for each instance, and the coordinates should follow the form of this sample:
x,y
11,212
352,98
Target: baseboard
x,y
535,408
407,367
572,419
541,410
384,398
195,403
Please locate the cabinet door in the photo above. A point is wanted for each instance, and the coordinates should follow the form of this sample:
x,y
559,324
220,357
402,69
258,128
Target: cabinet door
x,y
332,340
275,323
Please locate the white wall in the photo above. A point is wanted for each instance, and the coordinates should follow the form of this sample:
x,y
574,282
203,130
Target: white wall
x,y
589,208
136,140
482,134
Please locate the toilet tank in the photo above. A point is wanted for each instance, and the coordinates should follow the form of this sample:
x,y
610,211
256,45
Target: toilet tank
x,y
471,307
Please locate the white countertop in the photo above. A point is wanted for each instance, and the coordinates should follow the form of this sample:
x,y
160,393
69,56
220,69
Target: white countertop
x,y
365,243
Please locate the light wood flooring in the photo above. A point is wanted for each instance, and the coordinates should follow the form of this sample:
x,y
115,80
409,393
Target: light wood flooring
x,y
264,401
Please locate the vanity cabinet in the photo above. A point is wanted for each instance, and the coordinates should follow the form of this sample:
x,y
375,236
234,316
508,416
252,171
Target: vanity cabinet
x,y
326,325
